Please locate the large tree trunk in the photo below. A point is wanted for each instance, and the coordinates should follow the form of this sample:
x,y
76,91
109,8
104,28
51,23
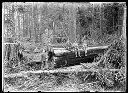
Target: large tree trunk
x,y
70,59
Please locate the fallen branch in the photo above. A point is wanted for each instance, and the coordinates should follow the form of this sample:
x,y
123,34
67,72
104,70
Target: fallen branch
x,y
62,70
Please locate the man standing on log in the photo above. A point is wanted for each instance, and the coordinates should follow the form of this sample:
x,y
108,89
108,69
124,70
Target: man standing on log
x,y
85,47
77,52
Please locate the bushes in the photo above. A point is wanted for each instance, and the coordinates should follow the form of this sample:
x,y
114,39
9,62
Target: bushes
x,y
115,55
118,45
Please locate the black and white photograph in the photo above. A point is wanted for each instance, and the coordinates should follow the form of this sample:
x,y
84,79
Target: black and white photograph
x,y
64,46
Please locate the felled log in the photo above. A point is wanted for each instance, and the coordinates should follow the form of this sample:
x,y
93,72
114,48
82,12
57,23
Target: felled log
x,y
69,58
